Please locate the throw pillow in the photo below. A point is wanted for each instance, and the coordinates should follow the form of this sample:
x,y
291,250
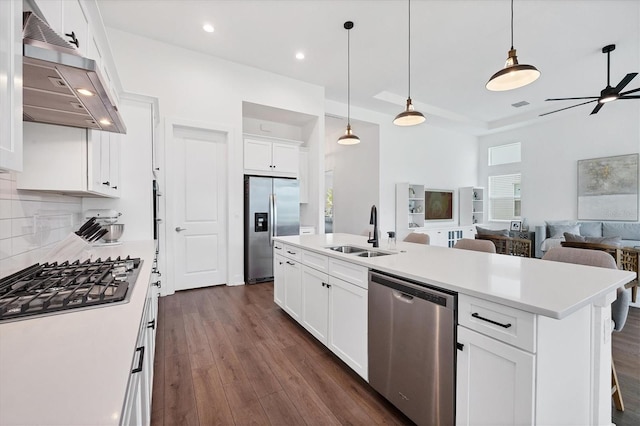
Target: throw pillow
x,y
573,238
591,229
550,223
557,231
610,241
487,231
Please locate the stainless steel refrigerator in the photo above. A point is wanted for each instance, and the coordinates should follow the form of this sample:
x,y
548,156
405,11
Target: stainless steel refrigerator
x,y
271,208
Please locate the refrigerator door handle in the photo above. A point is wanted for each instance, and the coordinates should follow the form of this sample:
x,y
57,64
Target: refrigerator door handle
x,y
270,220
275,216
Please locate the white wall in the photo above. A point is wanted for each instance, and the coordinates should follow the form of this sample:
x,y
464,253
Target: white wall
x,y
200,88
356,174
31,223
551,149
424,154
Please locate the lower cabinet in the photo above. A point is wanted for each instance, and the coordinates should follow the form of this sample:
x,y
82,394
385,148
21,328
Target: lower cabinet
x,y
137,406
495,382
292,289
348,324
332,309
278,279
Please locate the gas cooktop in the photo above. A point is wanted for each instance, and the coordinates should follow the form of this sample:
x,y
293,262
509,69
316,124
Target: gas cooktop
x,y
51,288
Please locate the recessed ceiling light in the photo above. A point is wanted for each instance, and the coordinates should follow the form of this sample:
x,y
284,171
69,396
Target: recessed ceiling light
x,y
300,55
105,122
85,92
208,28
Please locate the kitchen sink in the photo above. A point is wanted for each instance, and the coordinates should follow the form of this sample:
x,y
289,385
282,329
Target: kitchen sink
x,y
347,249
372,254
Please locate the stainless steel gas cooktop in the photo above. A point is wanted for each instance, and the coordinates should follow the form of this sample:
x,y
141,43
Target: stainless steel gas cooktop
x,y
50,288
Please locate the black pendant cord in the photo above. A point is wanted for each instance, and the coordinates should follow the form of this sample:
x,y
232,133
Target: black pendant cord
x,y
349,77
409,53
511,24
608,68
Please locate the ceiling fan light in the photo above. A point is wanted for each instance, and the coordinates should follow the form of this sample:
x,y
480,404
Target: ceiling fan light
x,y
513,75
607,99
348,138
409,117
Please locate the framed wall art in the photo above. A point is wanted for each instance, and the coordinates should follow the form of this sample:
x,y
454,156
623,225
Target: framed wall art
x,y
608,188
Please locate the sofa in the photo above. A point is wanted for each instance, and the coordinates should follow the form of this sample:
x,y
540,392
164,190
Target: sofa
x,y
551,234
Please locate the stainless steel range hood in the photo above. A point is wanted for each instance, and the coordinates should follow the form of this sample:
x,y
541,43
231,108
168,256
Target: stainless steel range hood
x,y
60,86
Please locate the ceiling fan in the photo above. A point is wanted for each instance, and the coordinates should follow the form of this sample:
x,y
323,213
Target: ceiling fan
x,y
607,94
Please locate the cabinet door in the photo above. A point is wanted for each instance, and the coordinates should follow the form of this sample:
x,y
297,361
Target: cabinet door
x,y
94,155
495,382
315,302
11,85
75,21
303,175
257,155
285,159
52,13
292,289
348,324
278,279
114,163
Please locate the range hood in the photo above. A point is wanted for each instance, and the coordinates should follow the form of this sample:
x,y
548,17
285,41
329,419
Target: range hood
x,y
59,85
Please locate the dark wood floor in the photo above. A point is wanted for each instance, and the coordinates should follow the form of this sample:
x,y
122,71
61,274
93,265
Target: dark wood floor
x,y
229,355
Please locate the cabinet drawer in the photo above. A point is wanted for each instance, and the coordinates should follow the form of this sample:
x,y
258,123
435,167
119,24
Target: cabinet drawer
x,y
349,272
509,325
278,247
315,260
292,252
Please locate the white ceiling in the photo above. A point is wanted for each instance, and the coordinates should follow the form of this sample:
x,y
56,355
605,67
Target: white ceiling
x,y
456,45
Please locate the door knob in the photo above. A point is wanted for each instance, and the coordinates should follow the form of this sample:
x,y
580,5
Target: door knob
x,y
178,229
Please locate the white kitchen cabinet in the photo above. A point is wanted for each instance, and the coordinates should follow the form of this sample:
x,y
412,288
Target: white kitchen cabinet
x,y
348,324
315,303
70,160
51,11
11,85
137,406
495,382
271,157
75,26
293,289
278,279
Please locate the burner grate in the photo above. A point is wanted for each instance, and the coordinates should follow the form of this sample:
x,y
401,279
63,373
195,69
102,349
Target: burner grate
x,y
48,288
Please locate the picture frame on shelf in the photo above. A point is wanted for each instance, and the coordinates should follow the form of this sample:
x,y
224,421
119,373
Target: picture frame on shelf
x,y
515,225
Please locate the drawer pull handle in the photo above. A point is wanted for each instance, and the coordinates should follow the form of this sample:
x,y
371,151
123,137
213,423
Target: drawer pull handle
x,y
291,252
140,360
277,248
477,315
290,263
152,324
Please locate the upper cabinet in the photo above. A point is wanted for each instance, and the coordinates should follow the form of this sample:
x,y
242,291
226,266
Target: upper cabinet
x,y
272,157
11,85
70,160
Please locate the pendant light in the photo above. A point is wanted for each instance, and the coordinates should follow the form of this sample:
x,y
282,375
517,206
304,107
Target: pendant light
x,y
348,138
409,117
513,75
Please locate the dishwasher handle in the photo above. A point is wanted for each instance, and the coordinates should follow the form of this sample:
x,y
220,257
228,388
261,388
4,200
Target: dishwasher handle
x,y
403,297
414,289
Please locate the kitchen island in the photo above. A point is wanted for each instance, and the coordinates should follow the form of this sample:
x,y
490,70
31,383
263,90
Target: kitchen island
x,y
73,368
551,365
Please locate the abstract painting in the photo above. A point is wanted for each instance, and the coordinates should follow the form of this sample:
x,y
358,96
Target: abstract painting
x,y
608,188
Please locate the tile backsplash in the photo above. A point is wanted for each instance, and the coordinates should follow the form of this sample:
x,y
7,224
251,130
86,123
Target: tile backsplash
x,y
31,223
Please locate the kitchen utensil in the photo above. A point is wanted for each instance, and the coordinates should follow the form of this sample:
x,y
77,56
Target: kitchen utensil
x,y
99,235
86,225
114,232
91,235
91,230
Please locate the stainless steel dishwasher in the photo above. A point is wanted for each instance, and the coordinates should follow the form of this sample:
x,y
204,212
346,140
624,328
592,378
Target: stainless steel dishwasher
x,y
412,347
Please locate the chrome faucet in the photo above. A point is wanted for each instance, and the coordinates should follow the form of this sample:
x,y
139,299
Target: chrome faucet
x,y
374,221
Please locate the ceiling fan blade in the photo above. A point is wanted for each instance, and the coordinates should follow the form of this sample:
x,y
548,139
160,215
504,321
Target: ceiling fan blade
x,y
626,80
571,99
573,106
596,109
630,91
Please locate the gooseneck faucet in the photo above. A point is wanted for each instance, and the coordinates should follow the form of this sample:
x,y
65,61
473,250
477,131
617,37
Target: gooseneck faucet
x,y
374,221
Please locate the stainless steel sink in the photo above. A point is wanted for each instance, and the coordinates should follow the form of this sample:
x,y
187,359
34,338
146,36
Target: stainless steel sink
x,y
372,254
347,249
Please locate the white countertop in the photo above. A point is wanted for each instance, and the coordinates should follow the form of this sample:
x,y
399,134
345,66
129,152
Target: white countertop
x,y
73,368
552,289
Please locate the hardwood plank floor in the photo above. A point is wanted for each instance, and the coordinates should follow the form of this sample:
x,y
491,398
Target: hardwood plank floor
x,y
230,355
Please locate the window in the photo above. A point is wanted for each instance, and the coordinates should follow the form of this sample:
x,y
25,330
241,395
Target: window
x,y
504,154
504,197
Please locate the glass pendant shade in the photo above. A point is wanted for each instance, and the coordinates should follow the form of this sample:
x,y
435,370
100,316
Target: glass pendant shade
x,y
513,75
409,117
348,138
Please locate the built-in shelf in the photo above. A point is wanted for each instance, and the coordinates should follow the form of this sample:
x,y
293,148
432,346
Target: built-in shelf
x,y
472,210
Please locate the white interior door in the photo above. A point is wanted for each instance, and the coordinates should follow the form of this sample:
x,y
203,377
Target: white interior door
x,y
198,200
